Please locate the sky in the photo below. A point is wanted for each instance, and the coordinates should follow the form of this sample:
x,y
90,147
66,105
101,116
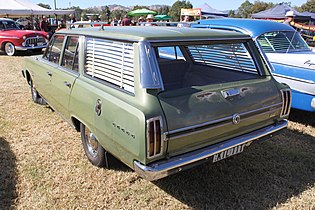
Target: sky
x,y
216,4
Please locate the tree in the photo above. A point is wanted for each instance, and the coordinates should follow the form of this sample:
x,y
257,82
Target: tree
x,y
309,6
164,10
118,14
77,10
259,6
231,13
140,7
176,7
245,10
105,14
47,6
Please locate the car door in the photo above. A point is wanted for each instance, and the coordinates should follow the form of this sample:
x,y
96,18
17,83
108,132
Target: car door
x,y
49,63
64,76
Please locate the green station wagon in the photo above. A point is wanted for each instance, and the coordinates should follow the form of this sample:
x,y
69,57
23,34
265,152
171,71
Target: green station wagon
x,y
159,99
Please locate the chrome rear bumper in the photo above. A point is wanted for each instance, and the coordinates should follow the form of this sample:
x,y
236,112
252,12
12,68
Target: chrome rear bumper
x,y
178,163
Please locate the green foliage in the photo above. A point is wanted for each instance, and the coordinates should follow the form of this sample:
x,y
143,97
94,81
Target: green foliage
x,y
118,14
140,7
105,14
309,6
176,7
245,10
259,6
47,6
163,10
231,13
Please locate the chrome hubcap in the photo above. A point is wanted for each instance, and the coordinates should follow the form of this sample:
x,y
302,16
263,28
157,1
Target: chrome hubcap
x,y
91,142
9,49
34,93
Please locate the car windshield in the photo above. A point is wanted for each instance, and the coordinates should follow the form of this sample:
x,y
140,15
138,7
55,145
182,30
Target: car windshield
x,y
8,25
282,42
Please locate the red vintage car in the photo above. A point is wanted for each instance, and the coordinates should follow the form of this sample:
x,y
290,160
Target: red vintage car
x,y
13,39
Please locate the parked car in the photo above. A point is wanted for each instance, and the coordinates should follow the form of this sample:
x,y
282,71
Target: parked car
x,y
161,99
23,22
13,39
292,59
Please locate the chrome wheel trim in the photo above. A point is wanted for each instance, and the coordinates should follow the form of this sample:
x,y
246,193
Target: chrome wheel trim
x,y
9,48
34,93
91,142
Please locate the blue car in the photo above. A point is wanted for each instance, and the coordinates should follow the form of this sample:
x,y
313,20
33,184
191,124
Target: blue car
x,y
293,61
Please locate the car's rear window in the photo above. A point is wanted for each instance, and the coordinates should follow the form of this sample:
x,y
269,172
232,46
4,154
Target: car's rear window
x,y
204,64
282,42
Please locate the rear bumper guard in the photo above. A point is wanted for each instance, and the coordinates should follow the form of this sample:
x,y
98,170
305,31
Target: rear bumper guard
x,y
178,163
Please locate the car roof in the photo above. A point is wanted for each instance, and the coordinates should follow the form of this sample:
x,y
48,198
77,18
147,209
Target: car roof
x,y
253,27
6,19
154,33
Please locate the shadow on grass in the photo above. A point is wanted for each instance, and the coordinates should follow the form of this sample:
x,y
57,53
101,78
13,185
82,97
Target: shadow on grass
x,y
265,175
7,175
23,53
306,118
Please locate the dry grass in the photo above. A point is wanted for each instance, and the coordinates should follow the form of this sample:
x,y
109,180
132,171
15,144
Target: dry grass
x,y
42,166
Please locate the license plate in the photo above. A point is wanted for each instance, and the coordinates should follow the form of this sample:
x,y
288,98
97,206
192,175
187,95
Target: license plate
x,y
230,152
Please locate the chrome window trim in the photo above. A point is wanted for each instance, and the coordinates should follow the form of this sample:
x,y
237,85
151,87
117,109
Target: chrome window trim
x,y
150,75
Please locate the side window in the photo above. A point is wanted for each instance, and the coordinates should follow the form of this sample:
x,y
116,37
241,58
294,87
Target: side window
x,y
53,51
70,58
170,53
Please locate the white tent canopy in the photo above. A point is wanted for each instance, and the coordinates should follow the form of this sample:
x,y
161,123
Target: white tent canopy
x,y
16,8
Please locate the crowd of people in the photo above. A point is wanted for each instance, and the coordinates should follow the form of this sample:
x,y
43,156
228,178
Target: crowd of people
x,y
148,21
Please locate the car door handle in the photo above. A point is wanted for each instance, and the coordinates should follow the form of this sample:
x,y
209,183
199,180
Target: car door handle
x,y
49,73
67,84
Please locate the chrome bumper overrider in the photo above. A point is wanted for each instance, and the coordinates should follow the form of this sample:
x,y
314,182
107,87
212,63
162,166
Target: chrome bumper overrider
x,y
178,163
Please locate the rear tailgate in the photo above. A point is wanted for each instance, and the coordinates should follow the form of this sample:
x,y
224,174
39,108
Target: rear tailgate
x,y
197,117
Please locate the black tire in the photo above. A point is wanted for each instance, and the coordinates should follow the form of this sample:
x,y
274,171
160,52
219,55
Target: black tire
x,y
9,49
40,50
35,95
92,148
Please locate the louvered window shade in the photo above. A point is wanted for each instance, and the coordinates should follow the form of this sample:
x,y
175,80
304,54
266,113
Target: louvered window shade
x,y
111,62
282,42
229,56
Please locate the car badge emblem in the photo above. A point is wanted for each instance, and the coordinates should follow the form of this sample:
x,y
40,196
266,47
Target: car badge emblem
x,y
236,119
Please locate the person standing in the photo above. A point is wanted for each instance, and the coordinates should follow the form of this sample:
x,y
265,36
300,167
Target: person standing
x,y
126,21
150,19
72,18
185,22
289,17
114,22
43,25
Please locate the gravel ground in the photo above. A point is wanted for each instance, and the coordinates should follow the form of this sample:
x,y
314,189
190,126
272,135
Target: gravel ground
x,y
42,166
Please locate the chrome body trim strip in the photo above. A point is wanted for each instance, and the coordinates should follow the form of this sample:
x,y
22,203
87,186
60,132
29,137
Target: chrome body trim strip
x,y
178,163
29,48
220,120
217,126
294,78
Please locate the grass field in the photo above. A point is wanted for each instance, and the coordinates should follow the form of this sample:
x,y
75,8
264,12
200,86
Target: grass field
x,y
43,166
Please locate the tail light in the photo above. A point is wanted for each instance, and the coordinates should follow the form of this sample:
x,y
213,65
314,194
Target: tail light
x,y
286,102
155,140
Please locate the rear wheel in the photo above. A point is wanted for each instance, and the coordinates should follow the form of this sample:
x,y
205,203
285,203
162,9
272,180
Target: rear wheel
x,y
35,95
92,148
9,48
